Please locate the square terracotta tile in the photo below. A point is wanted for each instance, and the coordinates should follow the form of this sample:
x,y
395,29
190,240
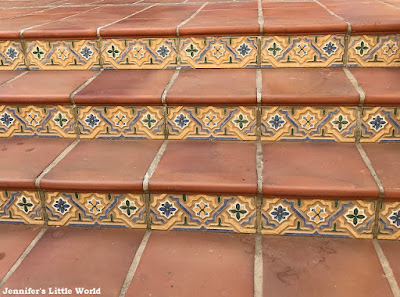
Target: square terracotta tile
x,y
306,266
316,170
218,167
195,264
103,165
391,251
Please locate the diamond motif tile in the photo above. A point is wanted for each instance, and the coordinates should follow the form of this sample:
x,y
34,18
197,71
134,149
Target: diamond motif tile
x,y
219,52
20,207
41,121
374,51
308,123
121,122
94,209
334,218
145,53
11,55
302,51
203,212
380,124
212,122
389,221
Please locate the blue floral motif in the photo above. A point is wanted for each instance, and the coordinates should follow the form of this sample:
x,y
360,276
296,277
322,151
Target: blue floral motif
x,y
276,121
163,51
243,49
396,218
181,120
86,52
61,206
167,209
377,122
330,48
6,119
92,120
280,213
11,53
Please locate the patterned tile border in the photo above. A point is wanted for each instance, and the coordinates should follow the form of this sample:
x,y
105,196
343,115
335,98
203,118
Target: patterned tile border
x,y
211,122
308,123
20,207
203,212
380,124
389,221
93,209
334,218
11,56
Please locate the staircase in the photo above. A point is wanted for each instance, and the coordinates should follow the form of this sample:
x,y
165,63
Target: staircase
x,y
273,118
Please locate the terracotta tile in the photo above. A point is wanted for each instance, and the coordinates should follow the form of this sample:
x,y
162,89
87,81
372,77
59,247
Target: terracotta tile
x,y
7,75
300,18
125,87
380,85
83,25
79,257
104,2
163,1
306,266
195,264
206,167
12,13
307,86
316,170
103,165
385,158
367,17
209,86
17,153
391,250
43,87
14,239
155,21
25,3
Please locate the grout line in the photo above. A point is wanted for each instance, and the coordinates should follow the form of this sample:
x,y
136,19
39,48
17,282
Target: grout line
x,y
378,182
260,16
259,153
23,256
153,166
14,78
82,86
55,162
189,18
389,4
387,269
42,197
259,85
168,86
258,267
135,263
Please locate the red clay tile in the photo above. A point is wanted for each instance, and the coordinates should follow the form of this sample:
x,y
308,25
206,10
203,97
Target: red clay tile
x,y
307,86
300,18
381,85
195,264
385,158
125,87
209,86
43,87
316,170
23,159
103,165
155,21
163,1
26,3
119,2
79,257
8,74
391,250
218,167
14,239
313,267
367,17
83,25
12,13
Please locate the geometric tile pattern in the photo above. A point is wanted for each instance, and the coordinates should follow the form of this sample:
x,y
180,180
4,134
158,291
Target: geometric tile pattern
x,y
121,122
23,207
335,218
374,51
145,53
219,52
11,56
380,124
93,209
389,221
42,121
302,51
203,212
308,123
67,54
212,122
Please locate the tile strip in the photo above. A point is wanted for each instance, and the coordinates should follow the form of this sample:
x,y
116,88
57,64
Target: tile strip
x,y
188,19
258,268
387,269
23,256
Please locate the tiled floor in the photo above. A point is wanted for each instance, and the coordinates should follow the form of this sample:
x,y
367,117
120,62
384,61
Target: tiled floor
x,y
181,264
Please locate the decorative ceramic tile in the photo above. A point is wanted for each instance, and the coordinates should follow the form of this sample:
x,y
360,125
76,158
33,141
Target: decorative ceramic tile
x,y
374,51
308,123
93,209
11,55
380,124
23,207
389,221
146,53
58,55
42,121
203,212
302,51
219,52
318,217
121,122
212,122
